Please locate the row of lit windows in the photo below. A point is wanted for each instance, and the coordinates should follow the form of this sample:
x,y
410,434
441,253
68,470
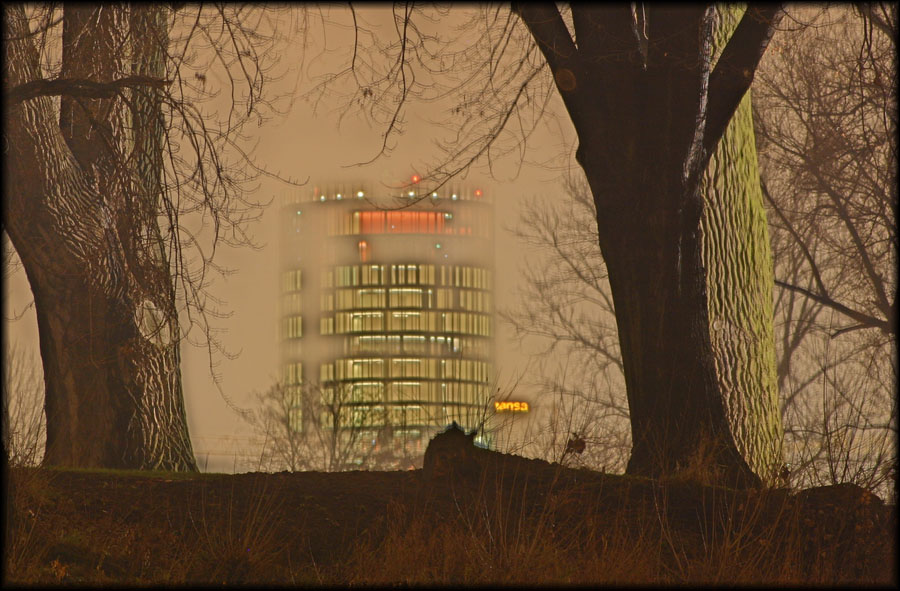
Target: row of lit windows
x,y
473,301
406,391
465,223
407,367
292,401
449,275
353,275
437,346
345,276
292,327
399,297
291,280
419,405
293,373
407,222
427,321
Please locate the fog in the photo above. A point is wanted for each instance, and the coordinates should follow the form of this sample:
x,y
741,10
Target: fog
x,y
308,144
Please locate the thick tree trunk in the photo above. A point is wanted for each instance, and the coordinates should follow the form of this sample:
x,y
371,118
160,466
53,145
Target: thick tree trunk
x,y
104,303
678,417
641,144
739,268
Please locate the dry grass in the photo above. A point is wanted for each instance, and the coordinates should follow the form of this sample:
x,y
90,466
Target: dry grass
x,y
501,527
729,537
235,545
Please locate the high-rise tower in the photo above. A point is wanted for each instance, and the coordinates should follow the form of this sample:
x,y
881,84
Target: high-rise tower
x,y
387,315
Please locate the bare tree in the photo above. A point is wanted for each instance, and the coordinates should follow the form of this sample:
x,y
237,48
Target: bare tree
x,y
333,427
644,146
567,308
109,155
827,123
305,427
24,429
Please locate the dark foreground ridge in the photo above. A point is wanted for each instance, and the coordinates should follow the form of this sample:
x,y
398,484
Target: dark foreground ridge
x,y
480,517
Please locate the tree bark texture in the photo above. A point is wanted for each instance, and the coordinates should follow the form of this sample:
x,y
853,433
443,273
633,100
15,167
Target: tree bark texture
x,y
83,191
740,277
643,110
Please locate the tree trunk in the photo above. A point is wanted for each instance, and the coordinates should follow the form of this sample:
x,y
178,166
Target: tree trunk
x,y
650,110
677,412
739,268
104,300
641,110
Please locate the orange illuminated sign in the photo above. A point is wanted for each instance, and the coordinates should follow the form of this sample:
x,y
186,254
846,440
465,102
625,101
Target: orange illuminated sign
x,y
510,406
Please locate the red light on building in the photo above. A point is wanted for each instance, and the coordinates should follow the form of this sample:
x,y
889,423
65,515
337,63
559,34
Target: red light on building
x,y
363,251
478,192
416,178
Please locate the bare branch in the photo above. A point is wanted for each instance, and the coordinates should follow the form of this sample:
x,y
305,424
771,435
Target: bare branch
x,y
80,87
864,320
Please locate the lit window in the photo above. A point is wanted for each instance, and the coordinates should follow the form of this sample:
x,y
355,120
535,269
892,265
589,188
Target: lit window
x,y
363,251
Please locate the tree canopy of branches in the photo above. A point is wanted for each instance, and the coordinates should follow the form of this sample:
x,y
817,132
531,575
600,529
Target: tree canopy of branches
x,y
108,154
649,98
826,121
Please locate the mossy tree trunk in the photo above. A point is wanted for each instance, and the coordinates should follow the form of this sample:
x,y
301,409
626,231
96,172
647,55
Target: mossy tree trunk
x,y
739,267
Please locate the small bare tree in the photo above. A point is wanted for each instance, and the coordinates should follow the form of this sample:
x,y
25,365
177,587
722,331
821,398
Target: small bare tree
x,y
826,118
567,309
311,427
24,429
305,427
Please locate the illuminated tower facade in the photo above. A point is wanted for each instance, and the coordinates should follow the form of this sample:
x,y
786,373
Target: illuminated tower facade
x,y
387,315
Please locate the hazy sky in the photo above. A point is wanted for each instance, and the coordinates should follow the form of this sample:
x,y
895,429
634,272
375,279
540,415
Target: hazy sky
x,y
303,145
